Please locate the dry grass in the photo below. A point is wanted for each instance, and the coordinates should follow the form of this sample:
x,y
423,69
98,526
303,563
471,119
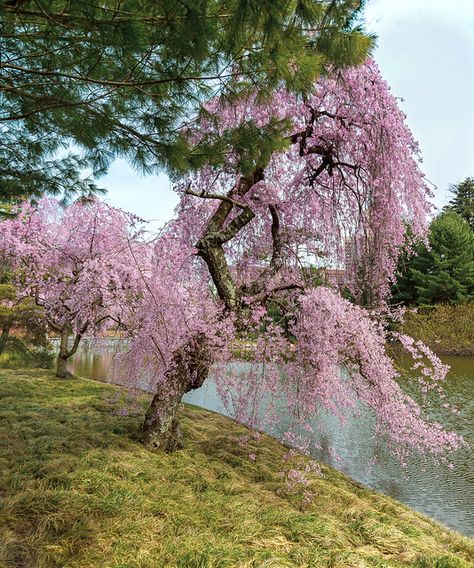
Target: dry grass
x,y
446,329
79,491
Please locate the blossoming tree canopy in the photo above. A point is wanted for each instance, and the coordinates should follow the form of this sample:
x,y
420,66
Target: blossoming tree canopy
x,y
345,177
76,264
349,175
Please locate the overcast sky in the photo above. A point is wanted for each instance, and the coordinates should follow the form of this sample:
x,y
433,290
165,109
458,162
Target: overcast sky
x,y
425,50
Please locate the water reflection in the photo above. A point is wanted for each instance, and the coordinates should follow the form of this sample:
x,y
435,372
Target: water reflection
x,y
444,494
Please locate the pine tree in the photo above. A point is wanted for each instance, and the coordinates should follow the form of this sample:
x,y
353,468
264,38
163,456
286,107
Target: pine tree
x,y
119,78
462,201
442,272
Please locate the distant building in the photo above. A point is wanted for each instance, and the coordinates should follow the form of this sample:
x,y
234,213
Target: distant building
x,y
351,252
335,277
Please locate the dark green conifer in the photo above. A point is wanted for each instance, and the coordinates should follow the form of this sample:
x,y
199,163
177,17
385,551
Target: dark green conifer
x,y
120,77
443,272
462,201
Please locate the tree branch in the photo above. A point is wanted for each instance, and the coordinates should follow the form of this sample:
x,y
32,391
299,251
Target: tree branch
x,y
119,83
77,340
226,198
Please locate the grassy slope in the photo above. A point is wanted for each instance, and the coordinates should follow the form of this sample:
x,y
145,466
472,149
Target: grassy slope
x,y
446,329
79,491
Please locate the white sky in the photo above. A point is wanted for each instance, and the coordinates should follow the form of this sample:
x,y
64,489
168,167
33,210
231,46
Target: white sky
x,y
425,50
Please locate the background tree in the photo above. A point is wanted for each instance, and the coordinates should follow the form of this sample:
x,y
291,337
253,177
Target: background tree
x,y
462,201
16,310
119,78
74,263
442,272
12,312
21,314
347,168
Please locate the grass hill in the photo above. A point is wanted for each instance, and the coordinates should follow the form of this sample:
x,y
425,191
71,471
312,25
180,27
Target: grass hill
x,y
446,329
77,490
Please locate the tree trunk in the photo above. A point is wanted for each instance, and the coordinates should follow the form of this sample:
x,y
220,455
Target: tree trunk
x,y
65,353
189,370
63,356
4,338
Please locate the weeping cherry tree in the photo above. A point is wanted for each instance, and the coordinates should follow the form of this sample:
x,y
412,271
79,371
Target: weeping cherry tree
x,y
337,189
75,263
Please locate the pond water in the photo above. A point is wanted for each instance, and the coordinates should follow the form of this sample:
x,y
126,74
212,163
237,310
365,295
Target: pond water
x,y
442,493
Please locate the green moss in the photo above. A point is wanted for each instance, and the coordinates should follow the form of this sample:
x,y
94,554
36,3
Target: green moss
x,y
79,491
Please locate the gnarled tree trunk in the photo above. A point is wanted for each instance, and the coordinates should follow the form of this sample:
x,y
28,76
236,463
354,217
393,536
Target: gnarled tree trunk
x,y
63,356
65,352
192,362
189,370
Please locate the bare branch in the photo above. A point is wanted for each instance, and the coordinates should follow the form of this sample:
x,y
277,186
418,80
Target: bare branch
x,y
226,198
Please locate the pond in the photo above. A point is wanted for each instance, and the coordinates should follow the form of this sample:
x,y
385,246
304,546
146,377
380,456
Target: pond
x,y
442,493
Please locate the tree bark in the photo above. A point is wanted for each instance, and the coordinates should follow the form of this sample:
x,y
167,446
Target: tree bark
x,y
189,370
64,352
63,356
